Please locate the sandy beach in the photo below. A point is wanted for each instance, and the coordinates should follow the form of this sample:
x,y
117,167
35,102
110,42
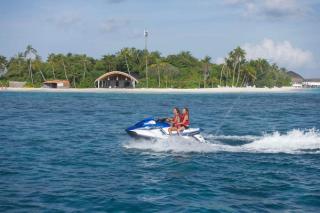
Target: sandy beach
x,y
164,90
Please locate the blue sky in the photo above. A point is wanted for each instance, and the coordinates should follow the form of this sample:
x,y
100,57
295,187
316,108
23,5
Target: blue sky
x,y
283,31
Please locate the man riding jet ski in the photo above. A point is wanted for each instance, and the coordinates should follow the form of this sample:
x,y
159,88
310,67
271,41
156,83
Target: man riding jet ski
x,y
163,128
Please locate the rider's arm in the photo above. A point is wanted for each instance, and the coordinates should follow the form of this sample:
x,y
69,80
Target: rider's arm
x,y
169,119
184,119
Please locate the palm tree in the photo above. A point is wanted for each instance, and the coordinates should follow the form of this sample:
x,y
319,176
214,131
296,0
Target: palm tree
x,y
51,61
126,52
251,72
65,70
233,64
163,67
262,65
206,62
157,66
30,53
84,60
170,71
249,75
229,65
37,64
236,58
109,61
20,58
241,60
3,69
3,65
221,73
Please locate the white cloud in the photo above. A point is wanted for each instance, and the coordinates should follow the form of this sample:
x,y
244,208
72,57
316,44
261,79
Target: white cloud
x,y
219,60
111,25
280,4
234,2
283,8
270,8
282,53
115,1
66,20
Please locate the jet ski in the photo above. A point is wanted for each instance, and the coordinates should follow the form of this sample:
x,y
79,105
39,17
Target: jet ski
x,y
158,129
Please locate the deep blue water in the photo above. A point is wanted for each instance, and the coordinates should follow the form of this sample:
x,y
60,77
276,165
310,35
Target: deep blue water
x,y
69,152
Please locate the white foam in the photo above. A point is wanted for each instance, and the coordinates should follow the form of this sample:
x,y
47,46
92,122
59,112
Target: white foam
x,y
173,144
292,142
234,137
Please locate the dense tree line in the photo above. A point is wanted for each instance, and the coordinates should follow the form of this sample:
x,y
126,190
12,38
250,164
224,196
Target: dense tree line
x,y
181,70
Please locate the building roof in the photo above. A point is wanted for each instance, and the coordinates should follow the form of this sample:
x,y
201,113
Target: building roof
x,y
295,76
56,81
116,73
313,80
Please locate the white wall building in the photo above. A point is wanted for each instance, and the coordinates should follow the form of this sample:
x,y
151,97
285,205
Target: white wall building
x,y
311,83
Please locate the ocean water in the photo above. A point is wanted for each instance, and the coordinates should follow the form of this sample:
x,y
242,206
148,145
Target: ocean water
x,y
68,152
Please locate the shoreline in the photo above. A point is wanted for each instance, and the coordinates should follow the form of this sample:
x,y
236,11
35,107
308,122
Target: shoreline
x,y
159,90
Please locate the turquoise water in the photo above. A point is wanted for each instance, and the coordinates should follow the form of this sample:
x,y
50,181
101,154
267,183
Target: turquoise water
x,y
68,152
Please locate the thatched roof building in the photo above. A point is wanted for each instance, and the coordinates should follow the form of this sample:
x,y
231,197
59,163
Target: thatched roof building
x,y
116,79
295,77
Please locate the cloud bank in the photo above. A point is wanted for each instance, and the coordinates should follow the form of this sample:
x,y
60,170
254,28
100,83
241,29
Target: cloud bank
x,y
270,8
282,53
113,24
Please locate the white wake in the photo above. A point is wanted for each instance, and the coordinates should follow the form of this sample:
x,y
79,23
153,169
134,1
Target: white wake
x,y
293,142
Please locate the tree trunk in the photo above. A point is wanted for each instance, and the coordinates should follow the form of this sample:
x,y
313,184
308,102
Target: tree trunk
x,y
147,78
166,81
228,71
205,75
244,77
65,71
44,79
234,72
159,77
30,70
74,82
54,75
125,56
246,81
221,74
239,71
84,71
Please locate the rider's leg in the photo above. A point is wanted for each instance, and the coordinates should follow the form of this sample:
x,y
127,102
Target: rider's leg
x,y
181,129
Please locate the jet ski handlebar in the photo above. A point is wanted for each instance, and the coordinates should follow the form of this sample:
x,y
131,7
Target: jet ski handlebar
x,y
161,119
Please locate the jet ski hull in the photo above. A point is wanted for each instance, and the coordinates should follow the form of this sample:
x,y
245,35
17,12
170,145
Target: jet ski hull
x,y
151,129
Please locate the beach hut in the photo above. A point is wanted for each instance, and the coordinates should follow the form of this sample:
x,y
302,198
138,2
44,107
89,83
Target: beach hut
x,y
17,84
57,84
116,79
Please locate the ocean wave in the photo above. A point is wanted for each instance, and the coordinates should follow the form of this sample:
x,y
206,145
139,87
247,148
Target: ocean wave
x,y
292,142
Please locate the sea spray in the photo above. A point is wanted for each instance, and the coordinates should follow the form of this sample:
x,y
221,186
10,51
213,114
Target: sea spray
x,y
173,144
248,138
293,142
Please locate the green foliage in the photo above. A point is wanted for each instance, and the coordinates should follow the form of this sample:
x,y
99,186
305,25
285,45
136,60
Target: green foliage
x,y
4,83
3,60
182,70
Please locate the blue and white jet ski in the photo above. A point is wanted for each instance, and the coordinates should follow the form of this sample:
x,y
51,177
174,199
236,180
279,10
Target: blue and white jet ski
x,y
158,129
